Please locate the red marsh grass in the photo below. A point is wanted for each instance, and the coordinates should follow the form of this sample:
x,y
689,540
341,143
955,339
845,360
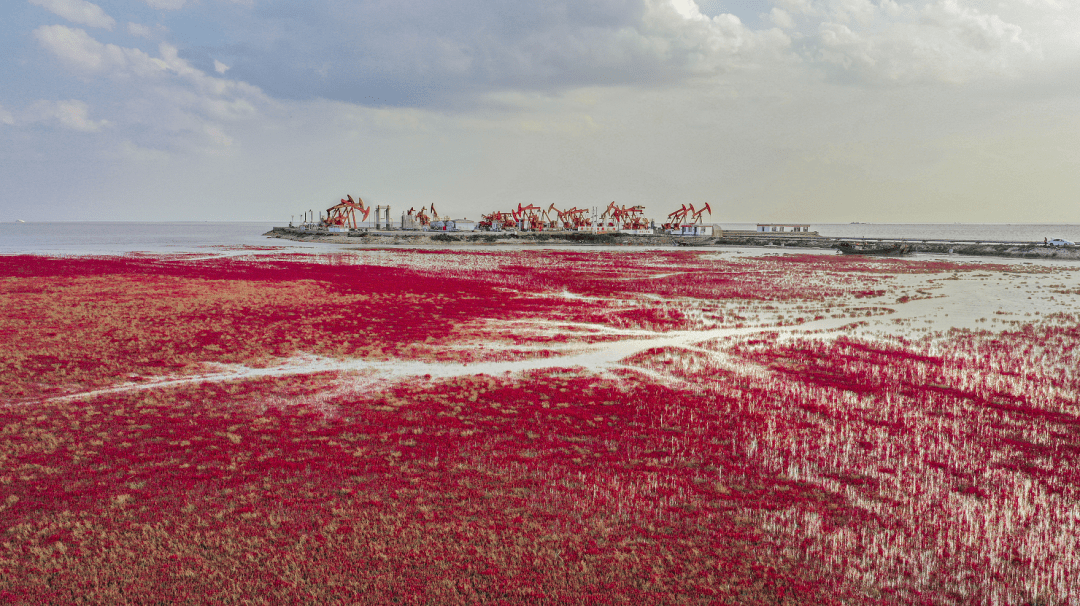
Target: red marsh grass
x,y
765,464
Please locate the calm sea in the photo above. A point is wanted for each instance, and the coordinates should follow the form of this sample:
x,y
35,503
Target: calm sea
x,y
93,237
120,237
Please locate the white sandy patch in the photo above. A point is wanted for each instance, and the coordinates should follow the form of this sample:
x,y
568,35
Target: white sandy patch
x,y
598,358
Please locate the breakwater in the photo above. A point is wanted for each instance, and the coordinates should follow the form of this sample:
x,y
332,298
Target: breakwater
x,y
1032,250
419,238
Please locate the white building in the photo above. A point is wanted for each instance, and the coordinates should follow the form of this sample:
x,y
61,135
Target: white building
x,y
692,230
783,227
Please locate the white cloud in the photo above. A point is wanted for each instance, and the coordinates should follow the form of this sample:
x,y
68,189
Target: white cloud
x,y
166,5
72,114
6,117
168,103
217,136
145,31
77,49
220,67
891,8
72,46
78,11
980,31
140,30
691,43
860,11
841,46
798,7
781,18
941,41
688,9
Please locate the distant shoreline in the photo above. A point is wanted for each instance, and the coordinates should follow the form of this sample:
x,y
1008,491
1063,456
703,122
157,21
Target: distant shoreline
x,y
767,240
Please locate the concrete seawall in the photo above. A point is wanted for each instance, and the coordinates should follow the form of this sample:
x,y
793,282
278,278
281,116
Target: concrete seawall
x,y
419,238
1025,250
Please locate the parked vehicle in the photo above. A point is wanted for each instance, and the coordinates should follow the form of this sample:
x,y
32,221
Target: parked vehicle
x,y
1060,242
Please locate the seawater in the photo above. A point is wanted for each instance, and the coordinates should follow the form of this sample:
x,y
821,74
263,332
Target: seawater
x,y
102,238
997,232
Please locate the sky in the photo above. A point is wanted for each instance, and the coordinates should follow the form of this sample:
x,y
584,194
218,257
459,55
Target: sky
x,y
810,111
